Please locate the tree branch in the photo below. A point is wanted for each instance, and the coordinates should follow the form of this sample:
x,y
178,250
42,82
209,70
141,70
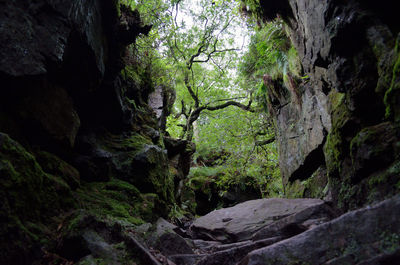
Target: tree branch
x,y
230,103
265,142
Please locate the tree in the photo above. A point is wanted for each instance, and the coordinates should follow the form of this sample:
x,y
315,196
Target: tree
x,y
200,57
206,56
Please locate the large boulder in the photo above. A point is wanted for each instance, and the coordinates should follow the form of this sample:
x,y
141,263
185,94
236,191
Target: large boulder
x,y
88,239
163,237
132,157
367,236
263,218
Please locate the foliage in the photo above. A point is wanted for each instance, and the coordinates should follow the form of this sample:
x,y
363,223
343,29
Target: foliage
x,y
192,48
271,55
270,52
145,64
205,55
237,138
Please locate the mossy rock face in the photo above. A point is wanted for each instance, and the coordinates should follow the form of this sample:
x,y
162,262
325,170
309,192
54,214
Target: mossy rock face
x,y
120,200
372,149
133,158
187,198
29,196
294,189
56,166
147,169
336,146
85,238
392,95
314,187
371,170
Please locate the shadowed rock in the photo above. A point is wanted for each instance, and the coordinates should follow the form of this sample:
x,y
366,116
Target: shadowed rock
x,y
240,222
364,236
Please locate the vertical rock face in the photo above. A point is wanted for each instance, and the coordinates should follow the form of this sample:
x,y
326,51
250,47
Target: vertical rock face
x,y
75,132
161,101
343,120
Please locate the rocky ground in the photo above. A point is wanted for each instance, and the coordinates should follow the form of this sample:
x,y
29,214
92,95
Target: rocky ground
x,y
264,231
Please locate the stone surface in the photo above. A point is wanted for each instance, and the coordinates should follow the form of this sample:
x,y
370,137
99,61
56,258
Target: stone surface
x,y
234,254
131,157
349,53
358,237
240,222
27,46
87,238
70,117
165,239
56,166
30,196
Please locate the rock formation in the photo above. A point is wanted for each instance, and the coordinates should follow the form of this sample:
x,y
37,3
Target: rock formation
x,y
296,231
338,129
76,129
86,167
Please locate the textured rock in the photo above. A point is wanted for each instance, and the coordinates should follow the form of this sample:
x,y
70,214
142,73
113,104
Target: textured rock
x,y
56,166
53,110
180,153
363,236
165,239
63,98
131,157
27,46
30,197
240,222
233,254
350,54
296,223
88,238
156,101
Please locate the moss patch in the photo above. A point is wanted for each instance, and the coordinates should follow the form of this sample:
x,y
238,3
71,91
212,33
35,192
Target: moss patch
x,y
335,146
29,196
391,98
56,166
115,143
117,199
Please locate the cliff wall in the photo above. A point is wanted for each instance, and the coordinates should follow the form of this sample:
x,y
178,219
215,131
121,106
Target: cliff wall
x,y
78,138
338,129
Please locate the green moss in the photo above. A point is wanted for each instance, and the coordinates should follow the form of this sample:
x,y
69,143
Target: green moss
x,y
294,190
102,202
138,161
384,184
29,189
201,178
52,164
317,185
118,199
122,187
390,242
312,187
135,142
30,197
346,195
367,136
118,7
333,148
390,99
